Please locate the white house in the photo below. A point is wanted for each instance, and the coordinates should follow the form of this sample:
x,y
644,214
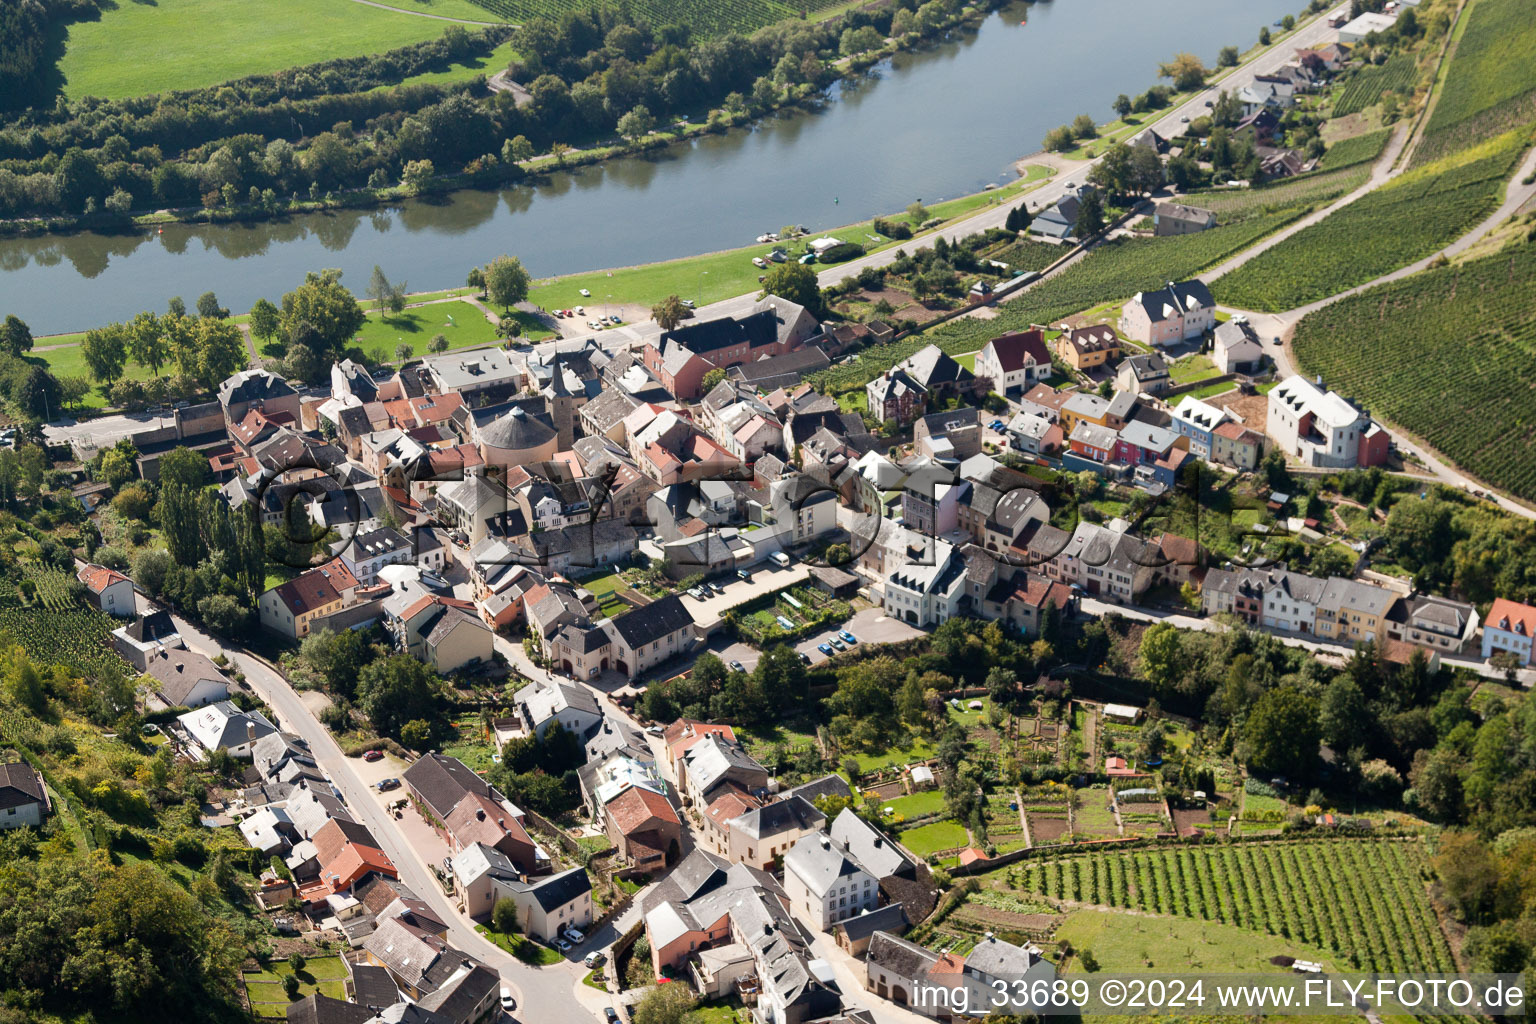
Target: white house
x,y
542,704
825,884
1363,25
23,801
1509,627
223,726
1015,361
110,590
185,678
1321,428
927,592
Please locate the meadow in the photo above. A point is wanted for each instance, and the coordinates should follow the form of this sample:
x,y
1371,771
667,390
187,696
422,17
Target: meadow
x,y
140,48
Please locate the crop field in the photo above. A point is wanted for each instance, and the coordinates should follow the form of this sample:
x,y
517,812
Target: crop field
x,y
1236,204
70,635
704,17
1368,84
1361,899
1421,351
1356,149
1490,85
139,48
1376,234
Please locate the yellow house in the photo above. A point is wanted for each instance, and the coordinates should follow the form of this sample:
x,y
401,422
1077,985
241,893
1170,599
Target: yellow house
x,y
1351,612
1083,407
1084,347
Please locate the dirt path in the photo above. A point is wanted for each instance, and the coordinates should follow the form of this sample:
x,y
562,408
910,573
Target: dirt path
x,y
424,14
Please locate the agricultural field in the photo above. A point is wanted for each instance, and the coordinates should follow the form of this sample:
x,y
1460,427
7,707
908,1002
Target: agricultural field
x,y
70,633
1356,149
1366,86
1027,254
1231,205
704,17
1126,943
139,48
1490,83
1377,233
1361,899
1421,351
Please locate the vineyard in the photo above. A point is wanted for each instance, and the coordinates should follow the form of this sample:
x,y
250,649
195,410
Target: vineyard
x,y
1368,85
54,589
703,17
1362,899
1422,351
1400,222
1490,85
1356,149
1234,204
75,636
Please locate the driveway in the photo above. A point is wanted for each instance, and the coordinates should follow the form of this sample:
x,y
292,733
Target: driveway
x,y
870,626
766,578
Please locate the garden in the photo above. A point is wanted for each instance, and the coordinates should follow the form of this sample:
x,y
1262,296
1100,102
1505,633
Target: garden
x,y
271,992
806,609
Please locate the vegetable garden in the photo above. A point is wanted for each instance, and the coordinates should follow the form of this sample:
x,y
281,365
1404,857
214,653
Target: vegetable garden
x,y
1423,351
1361,899
1368,84
1490,85
1400,222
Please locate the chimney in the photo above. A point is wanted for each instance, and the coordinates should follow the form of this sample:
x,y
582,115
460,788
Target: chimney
x,y
826,842
480,815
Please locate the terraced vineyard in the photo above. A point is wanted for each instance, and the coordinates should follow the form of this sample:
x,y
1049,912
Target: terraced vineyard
x,y
1490,84
1369,84
1361,899
1400,222
704,17
1423,351
74,636
1234,204
1356,149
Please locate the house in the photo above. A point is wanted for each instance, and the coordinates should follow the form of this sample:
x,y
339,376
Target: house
x,y
256,389
542,704
1355,31
428,972
1321,428
364,554
1083,348
223,726
928,592
347,853
643,826
1014,362
683,734
1045,401
136,641
291,607
645,637
1104,561
930,497
1350,612
714,765
1143,375
1290,601
445,632
1198,420
954,434
1235,445
23,800
1060,221
681,357
185,679
937,372
825,884
895,396
1237,348
1238,592
1436,623
944,985
1266,94
545,906
1508,629
1083,407
1177,313
1177,219
1092,442
110,590
763,832
855,934
1029,432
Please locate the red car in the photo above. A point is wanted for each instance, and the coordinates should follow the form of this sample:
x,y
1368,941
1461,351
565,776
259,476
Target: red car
x,y
374,755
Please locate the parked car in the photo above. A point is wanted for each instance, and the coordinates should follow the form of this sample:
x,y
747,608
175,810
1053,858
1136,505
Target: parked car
x,y
385,785
744,575
716,586
758,261
594,959
687,304
696,593
809,257
838,644
507,1002
779,558
1184,119
615,319
805,659
655,730
562,945
997,426
581,310
825,649
737,666
611,1015
585,294
847,637
373,755
574,934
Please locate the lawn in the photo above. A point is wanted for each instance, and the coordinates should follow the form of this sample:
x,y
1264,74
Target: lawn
x,y
138,48
460,71
929,839
462,323
853,401
470,746
323,974
605,588
968,360
69,361
1191,368
914,750
512,943
1123,943
917,805
1212,390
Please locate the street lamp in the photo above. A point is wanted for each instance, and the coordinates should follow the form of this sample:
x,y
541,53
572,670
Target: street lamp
x,y
700,291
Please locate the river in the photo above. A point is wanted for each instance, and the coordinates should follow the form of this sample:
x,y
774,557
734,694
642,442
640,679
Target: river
x,y
930,125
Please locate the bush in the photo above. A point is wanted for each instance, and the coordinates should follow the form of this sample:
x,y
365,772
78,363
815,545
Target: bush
x,y
841,253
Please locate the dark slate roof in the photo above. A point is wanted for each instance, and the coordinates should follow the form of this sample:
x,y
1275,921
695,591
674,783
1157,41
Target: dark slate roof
x,y
518,429
555,891
793,812
827,785
19,785
157,625
889,918
316,1008
760,328
657,619
1181,296
443,781
372,986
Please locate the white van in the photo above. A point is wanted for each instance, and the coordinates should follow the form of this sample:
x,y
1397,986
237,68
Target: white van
x,y
779,559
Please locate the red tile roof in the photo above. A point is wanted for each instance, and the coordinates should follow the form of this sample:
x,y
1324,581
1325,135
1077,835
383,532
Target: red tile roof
x,y
636,808
99,577
1511,617
316,588
685,732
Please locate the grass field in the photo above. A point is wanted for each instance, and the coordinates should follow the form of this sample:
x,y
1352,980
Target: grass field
x,y
462,323
69,361
1123,943
1377,233
1422,351
138,48
929,839
323,974
460,70
1490,83
916,805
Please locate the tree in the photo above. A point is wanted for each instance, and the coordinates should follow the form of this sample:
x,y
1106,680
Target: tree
x,y
1090,216
438,344
72,389
669,312
504,916
1084,126
917,213
558,151
637,123
1059,140
1161,660
403,352
1146,170
1113,171
1018,219
15,335
1227,58
506,282
222,614
509,327
664,1004
105,350
264,319
516,150
208,306
117,465
1186,70
219,351
1122,105
179,523
1264,36
1342,714
38,396
417,176
416,734
395,690
1282,733
328,310
384,294
712,380
795,282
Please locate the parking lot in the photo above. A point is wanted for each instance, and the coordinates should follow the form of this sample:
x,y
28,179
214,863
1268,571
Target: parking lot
x,y
870,626
766,578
